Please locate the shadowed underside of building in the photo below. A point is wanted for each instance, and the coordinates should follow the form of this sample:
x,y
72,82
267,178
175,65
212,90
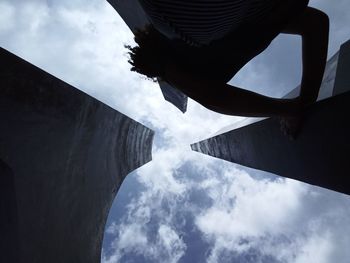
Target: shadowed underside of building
x,y
63,157
319,155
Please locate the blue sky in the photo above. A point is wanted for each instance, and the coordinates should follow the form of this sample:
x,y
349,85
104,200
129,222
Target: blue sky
x,y
184,206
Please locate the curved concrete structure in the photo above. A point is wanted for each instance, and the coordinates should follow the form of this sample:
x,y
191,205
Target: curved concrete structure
x,y
63,157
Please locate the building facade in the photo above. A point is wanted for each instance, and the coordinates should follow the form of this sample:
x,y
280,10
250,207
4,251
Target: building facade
x,y
63,157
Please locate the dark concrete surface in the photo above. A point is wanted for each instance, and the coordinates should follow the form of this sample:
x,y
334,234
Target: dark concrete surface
x,y
173,95
342,82
9,240
319,155
63,157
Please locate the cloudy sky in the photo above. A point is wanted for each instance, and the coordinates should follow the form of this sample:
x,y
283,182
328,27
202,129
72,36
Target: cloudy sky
x,y
184,206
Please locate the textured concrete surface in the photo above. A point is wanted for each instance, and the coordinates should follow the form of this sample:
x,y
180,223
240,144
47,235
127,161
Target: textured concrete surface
x,y
134,16
174,96
319,156
63,157
342,81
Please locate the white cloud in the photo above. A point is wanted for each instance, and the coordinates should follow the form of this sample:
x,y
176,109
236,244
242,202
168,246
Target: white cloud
x,y
245,209
283,219
316,249
132,235
7,17
174,247
279,219
248,208
131,239
159,175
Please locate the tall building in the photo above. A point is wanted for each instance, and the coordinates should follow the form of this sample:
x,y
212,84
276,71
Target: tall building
x,y
63,157
319,155
134,16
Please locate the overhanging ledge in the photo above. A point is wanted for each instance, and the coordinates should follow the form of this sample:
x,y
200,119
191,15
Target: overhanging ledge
x,y
319,156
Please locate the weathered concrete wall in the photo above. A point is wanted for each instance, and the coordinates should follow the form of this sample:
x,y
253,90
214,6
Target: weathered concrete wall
x,y
319,155
342,81
63,157
173,95
133,15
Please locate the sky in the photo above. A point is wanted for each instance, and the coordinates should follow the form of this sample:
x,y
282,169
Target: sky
x,y
184,206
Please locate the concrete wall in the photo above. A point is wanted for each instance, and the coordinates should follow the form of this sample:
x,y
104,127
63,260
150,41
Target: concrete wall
x,y
318,156
342,81
63,157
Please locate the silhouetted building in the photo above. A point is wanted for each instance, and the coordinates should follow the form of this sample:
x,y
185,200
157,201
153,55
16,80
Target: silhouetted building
x,y
63,157
133,15
319,156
